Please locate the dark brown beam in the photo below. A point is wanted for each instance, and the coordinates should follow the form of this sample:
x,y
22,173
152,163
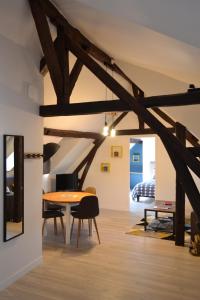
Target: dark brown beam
x,y
180,195
164,116
195,150
72,133
58,19
83,108
63,58
139,131
190,137
75,73
87,161
86,108
179,155
47,46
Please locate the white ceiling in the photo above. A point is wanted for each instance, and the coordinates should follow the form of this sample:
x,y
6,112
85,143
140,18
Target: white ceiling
x,y
160,35
156,34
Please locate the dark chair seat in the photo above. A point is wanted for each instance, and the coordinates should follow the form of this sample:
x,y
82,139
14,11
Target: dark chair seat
x,y
47,214
51,206
53,214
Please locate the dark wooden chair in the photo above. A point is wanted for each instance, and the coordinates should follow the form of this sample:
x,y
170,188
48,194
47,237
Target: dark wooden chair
x,y
87,209
53,214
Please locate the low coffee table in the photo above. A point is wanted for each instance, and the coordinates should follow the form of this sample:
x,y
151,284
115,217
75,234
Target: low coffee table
x,y
161,206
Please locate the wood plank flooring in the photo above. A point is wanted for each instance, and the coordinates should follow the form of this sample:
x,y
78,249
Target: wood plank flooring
x,y
122,267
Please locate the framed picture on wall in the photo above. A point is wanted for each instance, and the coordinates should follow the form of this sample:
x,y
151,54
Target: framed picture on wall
x,y
105,167
116,151
136,157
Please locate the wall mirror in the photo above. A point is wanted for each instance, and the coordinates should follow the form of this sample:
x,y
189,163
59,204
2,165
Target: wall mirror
x,y
13,186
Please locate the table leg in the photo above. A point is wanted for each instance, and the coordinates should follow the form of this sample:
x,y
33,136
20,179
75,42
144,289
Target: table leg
x,y
145,219
174,220
67,223
156,214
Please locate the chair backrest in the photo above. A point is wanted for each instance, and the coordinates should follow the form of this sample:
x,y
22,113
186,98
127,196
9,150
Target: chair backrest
x,y
88,207
91,190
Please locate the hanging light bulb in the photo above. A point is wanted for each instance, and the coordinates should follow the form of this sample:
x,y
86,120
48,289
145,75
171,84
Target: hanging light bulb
x,y
113,132
105,128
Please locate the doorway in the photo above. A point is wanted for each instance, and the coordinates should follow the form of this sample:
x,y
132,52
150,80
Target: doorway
x,y
142,172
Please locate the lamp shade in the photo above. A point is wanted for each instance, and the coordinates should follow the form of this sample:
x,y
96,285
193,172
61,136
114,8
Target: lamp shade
x,y
49,150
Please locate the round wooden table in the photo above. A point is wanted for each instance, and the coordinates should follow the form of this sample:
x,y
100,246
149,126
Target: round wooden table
x,y
67,199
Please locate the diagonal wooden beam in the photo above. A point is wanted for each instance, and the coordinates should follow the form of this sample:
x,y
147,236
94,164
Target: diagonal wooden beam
x,y
47,46
172,145
72,133
189,136
87,161
74,74
63,58
58,19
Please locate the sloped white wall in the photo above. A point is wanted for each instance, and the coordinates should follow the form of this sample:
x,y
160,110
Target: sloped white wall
x,y
21,90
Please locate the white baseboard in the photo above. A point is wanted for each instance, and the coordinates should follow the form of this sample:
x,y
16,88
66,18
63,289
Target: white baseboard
x,y
11,279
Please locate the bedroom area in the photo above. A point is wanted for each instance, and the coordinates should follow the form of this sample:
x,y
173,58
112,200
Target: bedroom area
x,y
142,173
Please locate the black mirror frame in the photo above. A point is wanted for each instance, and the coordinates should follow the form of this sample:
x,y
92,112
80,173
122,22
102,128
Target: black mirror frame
x,y
20,184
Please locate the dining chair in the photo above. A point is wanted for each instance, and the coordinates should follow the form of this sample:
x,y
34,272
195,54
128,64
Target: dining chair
x,y
89,189
52,206
53,214
87,209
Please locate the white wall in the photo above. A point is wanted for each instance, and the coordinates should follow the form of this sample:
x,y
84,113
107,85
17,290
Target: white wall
x,y
148,158
21,90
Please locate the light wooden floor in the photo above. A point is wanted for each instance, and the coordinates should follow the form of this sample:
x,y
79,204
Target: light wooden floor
x,y
122,267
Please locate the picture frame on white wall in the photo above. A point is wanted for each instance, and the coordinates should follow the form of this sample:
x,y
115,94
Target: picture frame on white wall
x,y
105,167
116,151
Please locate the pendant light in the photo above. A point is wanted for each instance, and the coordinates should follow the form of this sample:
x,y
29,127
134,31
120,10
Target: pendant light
x,y
105,128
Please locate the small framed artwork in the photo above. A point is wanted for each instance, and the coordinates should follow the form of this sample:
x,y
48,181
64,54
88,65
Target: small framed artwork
x,y
136,157
105,167
116,151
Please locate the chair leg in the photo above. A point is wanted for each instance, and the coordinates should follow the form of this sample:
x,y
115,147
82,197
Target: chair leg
x,y
95,224
55,226
82,224
44,222
72,226
90,226
63,228
79,230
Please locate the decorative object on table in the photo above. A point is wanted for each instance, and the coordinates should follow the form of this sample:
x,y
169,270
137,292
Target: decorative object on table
x,y
32,155
116,151
105,167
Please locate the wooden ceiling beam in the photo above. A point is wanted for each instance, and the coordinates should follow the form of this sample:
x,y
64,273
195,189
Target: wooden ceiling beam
x,y
47,46
139,131
87,108
74,34
71,133
75,72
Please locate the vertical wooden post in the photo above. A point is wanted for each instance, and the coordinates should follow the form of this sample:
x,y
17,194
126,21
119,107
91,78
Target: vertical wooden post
x,y
63,58
180,195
